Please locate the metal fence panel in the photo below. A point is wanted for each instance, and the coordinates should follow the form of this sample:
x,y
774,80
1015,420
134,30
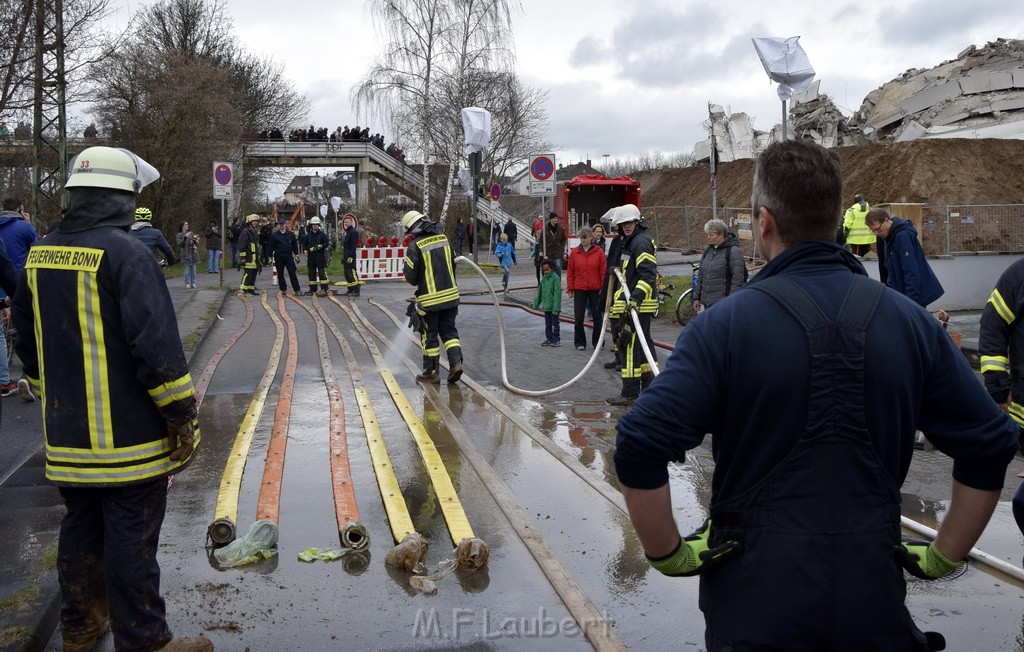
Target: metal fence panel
x,y
972,228
945,230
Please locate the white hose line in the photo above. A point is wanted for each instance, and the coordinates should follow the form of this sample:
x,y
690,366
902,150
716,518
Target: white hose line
x,y
977,555
640,335
501,341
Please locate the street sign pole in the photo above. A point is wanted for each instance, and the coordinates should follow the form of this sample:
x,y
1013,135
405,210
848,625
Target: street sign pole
x,y
223,187
222,233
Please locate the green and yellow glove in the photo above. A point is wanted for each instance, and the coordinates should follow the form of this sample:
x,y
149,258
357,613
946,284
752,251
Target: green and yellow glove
x,y
182,439
693,557
922,559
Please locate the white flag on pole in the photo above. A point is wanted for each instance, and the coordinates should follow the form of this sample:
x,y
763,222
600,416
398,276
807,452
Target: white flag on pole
x,y
786,63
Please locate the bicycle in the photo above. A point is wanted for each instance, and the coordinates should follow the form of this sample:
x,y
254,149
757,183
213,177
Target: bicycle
x,y
684,305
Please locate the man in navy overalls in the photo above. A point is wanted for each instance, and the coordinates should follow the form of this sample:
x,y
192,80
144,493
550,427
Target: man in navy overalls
x,y
812,381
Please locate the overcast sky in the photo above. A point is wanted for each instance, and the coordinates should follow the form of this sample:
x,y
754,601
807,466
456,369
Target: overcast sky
x,y
626,77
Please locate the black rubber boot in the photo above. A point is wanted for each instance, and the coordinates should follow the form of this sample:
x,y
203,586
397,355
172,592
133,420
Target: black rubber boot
x,y
630,390
646,379
454,365
429,374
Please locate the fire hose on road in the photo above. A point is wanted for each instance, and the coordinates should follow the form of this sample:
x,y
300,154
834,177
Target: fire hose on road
x,y
597,348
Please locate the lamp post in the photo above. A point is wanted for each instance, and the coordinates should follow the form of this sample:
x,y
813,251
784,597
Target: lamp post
x,y
476,123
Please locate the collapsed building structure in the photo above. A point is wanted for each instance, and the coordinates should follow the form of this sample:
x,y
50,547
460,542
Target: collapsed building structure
x,y
980,94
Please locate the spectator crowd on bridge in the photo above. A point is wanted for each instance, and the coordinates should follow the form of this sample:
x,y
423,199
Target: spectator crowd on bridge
x,y
344,134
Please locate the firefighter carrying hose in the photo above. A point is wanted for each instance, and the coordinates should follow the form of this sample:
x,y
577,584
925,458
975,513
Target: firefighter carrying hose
x,y
119,408
640,267
315,244
249,253
428,266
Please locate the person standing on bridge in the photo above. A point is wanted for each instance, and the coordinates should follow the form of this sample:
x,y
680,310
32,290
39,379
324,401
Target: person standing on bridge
x,y
316,244
428,266
283,247
249,256
119,408
812,382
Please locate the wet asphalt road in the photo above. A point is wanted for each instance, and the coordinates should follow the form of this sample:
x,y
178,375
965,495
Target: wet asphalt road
x,y
287,604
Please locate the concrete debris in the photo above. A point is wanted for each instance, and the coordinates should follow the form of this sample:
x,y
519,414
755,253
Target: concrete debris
x,y
980,94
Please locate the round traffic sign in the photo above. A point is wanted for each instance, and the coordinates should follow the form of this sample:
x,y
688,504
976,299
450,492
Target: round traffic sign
x,y
222,174
542,169
495,192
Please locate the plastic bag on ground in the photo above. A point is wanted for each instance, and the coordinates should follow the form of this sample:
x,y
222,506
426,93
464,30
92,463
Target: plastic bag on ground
x,y
260,542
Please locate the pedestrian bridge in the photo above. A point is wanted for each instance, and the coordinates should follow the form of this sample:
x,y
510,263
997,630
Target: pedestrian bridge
x,y
368,161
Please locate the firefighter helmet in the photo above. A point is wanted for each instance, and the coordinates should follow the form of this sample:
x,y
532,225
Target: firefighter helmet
x,y
626,213
144,214
110,167
411,219
314,220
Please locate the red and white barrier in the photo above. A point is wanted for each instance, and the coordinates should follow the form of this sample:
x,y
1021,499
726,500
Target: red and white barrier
x,y
377,263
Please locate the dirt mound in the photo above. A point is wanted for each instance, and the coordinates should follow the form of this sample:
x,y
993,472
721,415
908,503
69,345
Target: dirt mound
x,y
935,172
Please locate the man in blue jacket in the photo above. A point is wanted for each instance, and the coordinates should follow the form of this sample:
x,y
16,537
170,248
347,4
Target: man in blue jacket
x,y
902,265
151,236
812,383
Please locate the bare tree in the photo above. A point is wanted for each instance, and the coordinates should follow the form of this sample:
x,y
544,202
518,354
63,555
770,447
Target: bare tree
x,y
195,29
401,80
177,113
181,92
461,55
81,19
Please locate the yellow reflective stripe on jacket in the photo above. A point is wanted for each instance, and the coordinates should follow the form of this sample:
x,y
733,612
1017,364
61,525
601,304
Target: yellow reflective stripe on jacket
x,y
94,347
995,363
114,474
174,390
114,455
1017,412
1002,309
433,296
648,257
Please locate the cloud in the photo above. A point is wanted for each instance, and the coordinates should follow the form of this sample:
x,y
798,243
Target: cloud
x,y
927,21
589,51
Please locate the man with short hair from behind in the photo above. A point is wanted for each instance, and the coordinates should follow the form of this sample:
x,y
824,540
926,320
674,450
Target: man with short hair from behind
x,y
812,382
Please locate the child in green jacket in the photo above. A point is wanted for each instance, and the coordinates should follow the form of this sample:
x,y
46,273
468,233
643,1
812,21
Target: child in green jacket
x,y
549,299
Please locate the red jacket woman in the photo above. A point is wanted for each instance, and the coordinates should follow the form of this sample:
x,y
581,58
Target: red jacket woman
x,y
584,278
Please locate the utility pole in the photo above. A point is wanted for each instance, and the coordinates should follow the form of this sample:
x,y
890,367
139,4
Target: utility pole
x,y
49,124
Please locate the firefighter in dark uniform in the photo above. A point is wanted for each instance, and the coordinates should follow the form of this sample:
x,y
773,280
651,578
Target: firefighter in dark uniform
x,y
119,408
428,266
640,267
283,247
315,244
249,253
1001,347
350,244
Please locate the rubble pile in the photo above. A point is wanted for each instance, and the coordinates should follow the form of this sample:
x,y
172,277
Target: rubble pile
x,y
980,94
